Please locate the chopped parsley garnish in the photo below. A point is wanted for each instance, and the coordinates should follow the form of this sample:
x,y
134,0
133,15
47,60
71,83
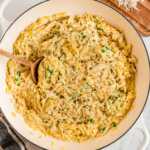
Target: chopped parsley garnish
x,y
102,129
17,78
114,124
75,95
90,120
49,72
83,36
87,85
105,49
100,29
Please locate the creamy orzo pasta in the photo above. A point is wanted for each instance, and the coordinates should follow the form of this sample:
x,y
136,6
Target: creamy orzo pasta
x,y
86,81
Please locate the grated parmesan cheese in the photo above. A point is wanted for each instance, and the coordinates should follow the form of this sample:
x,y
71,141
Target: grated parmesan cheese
x,y
129,3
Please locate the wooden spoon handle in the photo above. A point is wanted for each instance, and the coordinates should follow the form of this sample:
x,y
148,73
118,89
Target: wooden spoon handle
x,y
17,59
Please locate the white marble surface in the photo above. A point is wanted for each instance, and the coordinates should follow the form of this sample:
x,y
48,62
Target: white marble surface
x,y
133,139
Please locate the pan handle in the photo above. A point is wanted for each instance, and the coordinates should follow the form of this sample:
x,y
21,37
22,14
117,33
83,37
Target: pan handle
x,y
3,21
140,126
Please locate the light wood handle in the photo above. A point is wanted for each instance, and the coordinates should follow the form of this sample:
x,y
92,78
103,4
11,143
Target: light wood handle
x,y
16,58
